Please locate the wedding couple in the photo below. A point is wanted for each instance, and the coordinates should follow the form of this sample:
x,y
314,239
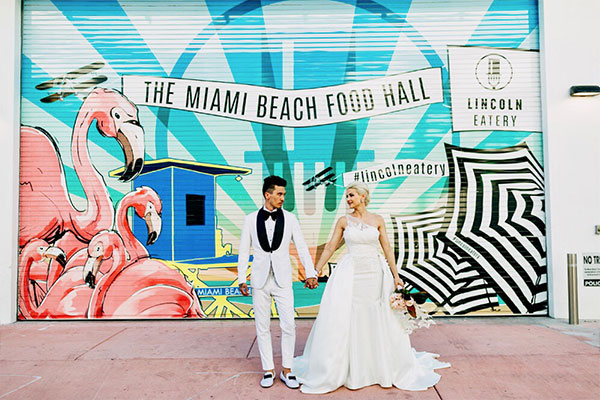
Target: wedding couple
x,y
357,339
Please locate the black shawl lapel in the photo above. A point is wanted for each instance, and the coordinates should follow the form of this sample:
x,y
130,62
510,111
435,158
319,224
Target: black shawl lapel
x,y
278,234
261,231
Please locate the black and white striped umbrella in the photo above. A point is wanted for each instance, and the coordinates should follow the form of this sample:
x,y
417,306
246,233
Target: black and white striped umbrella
x,y
427,261
496,217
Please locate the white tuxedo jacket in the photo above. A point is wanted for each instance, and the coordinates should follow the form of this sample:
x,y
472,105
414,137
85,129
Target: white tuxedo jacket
x,y
279,258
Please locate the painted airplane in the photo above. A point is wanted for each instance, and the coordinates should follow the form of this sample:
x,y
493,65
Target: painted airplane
x,y
323,177
70,83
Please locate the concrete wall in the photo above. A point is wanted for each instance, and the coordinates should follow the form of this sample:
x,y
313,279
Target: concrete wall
x,y
10,71
570,55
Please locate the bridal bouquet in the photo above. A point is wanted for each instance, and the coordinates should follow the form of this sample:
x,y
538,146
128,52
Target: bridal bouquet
x,y
409,307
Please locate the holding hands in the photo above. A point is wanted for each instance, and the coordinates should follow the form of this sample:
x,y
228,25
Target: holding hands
x,y
311,283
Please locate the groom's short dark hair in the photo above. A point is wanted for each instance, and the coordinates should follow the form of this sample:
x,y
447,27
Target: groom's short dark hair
x,y
271,181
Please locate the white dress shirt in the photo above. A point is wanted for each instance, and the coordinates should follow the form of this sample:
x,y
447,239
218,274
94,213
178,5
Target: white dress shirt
x,y
270,226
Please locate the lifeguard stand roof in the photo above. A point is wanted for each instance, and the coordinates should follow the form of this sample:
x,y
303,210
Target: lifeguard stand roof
x,y
204,168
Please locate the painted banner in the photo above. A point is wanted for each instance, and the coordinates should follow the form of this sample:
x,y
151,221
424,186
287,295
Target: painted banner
x,y
292,108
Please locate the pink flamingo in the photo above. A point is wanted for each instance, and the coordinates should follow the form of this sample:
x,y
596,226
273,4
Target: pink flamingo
x,y
147,205
45,209
72,246
43,274
67,298
146,288
33,269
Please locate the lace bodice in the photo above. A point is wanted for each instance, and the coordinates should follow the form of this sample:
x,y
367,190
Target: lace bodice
x,y
361,239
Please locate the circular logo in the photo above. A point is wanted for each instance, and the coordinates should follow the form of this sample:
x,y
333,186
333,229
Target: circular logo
x,y
494,72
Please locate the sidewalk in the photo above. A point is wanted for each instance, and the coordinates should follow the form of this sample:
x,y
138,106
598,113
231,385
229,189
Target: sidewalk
x,y
492,358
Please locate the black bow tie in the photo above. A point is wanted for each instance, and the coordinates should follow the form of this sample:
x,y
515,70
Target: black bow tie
x,y
273,214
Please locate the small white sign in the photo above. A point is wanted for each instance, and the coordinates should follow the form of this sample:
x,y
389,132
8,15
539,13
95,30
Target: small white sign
x,y
591,269
494,89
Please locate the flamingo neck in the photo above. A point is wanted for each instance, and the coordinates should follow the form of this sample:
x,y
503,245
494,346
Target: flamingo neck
x,y
25,301
99,213
97,299
132,244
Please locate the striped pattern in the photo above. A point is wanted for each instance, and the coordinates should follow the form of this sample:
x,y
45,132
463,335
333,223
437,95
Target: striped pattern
x,y
496,216
488,241
428,262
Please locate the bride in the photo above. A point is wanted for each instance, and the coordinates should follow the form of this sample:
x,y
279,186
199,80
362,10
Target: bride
x,y
357,340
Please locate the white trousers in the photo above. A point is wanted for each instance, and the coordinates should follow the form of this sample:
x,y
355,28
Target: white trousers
x,y
284,299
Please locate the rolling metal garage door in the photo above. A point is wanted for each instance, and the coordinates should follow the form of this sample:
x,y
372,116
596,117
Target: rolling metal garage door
x,y
148,127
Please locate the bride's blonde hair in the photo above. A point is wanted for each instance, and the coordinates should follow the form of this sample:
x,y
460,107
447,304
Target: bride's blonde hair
x,y
361,188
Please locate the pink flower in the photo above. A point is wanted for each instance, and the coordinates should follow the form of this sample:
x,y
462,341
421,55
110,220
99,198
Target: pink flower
x,y
397,302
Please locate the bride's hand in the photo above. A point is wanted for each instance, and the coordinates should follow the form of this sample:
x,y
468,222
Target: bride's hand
x,y
398,282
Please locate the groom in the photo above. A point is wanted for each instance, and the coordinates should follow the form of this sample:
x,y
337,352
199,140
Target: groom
x,y
269,231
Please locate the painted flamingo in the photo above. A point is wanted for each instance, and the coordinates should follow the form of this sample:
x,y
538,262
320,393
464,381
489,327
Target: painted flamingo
x,y
146,288
43,274
72,245
45,210
34,257
147,205
69,296
40,273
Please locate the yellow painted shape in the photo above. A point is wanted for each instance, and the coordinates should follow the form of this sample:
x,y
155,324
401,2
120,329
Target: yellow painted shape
x,y
220,248
223,308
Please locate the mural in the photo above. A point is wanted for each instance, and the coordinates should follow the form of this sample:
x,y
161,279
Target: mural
x,y
79,243
147,128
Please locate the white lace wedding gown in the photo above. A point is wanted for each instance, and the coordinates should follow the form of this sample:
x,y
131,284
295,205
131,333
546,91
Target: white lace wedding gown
x,y
357,339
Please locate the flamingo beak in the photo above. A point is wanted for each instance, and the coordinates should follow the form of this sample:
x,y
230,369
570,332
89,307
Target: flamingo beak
x,y
154,224
130,136
55,253
90,269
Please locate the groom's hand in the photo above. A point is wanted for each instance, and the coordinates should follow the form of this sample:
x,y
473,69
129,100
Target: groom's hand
x,y
311,283
244,289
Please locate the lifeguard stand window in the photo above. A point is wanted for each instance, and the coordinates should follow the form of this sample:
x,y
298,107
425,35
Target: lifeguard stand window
x,y
194,206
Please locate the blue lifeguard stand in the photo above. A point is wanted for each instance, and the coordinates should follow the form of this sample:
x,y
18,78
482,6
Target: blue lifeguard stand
x,y
189,223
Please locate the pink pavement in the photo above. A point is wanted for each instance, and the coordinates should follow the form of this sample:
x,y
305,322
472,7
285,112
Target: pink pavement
x,y
492,358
